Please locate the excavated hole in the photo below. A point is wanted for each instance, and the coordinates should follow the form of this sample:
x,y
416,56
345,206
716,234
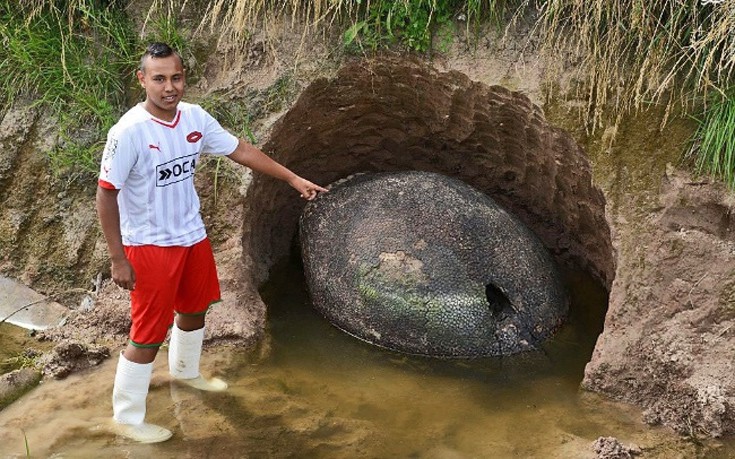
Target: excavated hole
x,y
390,115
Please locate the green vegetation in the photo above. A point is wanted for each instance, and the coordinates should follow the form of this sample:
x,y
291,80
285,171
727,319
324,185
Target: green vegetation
x,y
714,148
26,359
663,48
25,441
77,57
72,59
411,23
419,25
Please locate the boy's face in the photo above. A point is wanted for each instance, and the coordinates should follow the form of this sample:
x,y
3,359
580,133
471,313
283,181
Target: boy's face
x,y
163,80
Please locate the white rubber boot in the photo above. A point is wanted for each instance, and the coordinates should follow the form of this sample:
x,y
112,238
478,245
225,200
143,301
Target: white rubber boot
x,y
128,403
184,352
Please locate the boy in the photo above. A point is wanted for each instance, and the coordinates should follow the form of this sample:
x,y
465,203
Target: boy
x,y
149,214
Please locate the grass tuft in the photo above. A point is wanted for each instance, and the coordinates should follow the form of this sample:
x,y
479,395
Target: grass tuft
x,y
714,143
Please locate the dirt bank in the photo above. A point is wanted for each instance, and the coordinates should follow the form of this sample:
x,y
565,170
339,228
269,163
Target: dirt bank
x,y
668,340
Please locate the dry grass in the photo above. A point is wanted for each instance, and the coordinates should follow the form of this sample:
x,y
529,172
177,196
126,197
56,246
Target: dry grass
x,y
634,52
234,19
630,52
625,53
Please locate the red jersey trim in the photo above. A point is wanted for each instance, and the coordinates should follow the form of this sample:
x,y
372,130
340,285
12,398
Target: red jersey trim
x,y
106,185
171,124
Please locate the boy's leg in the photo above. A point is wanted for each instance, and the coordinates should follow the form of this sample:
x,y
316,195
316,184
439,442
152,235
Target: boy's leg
x,y
140,354
157,270
184,353
198,289
129,402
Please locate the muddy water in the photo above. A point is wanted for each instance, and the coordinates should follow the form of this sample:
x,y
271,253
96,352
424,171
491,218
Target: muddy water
x,y
312,391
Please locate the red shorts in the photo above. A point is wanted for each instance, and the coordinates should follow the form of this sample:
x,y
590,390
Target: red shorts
x,y
167,280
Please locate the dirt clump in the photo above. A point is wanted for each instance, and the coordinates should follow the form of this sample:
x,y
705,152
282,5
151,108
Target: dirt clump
x,y
105,320
71,356
611,448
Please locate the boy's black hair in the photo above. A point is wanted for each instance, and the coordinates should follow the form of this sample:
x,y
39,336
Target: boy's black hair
x,y
158,49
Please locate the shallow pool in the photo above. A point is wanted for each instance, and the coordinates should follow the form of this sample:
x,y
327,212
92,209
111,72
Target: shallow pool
x,y
311,391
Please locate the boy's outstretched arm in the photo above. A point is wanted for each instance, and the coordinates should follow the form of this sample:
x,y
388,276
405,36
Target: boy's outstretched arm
x,y
250,156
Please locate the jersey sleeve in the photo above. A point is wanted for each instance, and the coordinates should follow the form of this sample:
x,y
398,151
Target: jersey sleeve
x,y
217,141
118,158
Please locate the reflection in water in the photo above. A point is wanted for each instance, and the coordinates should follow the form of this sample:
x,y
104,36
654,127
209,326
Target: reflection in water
x,y
312,391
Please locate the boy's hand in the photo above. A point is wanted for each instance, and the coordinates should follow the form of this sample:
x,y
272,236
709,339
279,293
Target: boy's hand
x,y
307,189
123,274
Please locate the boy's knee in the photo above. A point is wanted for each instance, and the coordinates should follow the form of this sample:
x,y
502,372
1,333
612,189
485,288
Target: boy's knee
x,y
189,322
140,354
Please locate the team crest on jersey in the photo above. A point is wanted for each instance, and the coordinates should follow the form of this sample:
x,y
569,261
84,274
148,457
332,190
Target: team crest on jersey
x,y
175,170
110,149
194,137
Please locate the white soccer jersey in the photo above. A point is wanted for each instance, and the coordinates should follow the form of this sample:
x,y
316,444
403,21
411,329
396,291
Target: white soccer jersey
x,y
152,163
